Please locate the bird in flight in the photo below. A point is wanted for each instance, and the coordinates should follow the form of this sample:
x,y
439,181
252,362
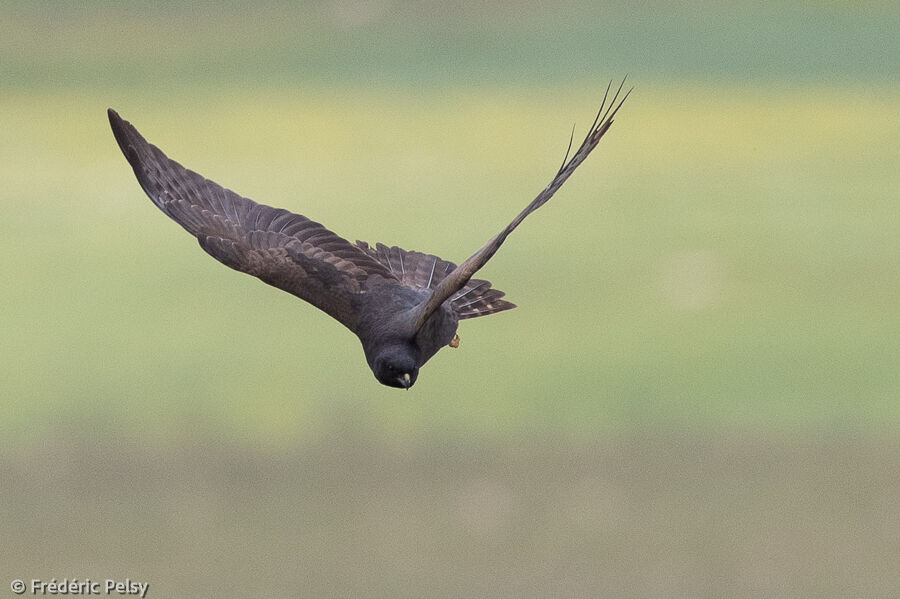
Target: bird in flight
x,y
403,305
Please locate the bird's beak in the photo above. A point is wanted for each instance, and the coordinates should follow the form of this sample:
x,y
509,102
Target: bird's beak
x,y
405,381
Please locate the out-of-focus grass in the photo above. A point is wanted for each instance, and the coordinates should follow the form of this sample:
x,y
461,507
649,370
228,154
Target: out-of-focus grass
x,y
719,515
727,256
411,43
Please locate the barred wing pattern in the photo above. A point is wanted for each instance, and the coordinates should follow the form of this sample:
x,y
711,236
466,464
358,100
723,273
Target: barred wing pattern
x,y
286,250
283,249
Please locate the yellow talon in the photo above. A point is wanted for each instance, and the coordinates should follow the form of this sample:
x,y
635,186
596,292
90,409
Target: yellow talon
x,y
454,343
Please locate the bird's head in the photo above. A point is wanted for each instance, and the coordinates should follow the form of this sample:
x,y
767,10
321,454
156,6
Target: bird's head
x,y
396,366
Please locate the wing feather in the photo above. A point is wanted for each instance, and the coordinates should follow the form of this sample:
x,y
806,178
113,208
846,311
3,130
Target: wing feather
x,y
461,275
283,249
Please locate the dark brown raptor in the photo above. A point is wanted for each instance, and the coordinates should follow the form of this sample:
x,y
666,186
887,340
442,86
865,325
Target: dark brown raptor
x,y
403,305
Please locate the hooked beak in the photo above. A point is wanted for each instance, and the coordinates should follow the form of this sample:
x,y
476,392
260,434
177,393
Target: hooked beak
x,y
405,381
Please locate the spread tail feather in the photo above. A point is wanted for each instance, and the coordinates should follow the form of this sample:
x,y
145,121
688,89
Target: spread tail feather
x,y
425,271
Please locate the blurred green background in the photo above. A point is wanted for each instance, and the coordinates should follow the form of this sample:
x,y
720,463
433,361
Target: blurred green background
x,y
698,395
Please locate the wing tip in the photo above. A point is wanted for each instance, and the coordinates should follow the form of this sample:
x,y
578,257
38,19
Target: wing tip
x,y
120,128
115,121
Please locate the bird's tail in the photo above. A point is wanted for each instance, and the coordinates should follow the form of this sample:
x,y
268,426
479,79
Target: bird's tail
x,y
425,271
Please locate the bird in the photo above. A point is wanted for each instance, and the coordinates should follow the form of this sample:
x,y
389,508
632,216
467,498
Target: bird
x,y
403,305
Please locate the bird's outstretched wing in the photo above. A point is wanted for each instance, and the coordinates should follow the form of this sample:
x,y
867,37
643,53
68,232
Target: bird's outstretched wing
x,y
283,249
460,276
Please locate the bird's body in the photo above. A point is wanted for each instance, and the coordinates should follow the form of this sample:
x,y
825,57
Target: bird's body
x,y
403,305
387,315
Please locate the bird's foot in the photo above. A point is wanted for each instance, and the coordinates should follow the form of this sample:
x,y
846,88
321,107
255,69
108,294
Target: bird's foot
x,y
454,343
